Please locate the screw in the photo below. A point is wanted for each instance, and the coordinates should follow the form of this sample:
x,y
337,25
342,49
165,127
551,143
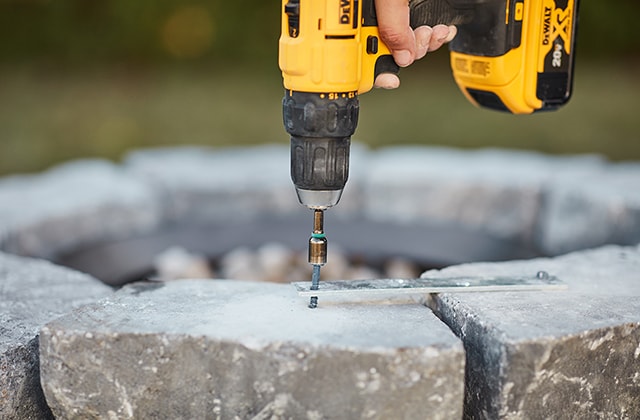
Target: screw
x,y
542,275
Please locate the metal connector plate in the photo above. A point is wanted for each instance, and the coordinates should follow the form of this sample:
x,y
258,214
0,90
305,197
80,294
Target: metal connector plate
x,y
539,282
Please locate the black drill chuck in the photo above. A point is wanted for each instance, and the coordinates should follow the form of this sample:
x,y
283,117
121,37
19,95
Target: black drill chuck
x,y
320,126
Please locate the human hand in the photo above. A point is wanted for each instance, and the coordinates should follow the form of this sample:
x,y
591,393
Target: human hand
x,y
406,44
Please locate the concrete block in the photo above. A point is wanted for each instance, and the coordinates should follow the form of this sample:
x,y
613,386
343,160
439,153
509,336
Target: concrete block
x,y
233,349
204,184
588,210
32,293
497,191
72,205
569,354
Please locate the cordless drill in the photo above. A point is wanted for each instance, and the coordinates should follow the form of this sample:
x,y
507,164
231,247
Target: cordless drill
x,y
509,55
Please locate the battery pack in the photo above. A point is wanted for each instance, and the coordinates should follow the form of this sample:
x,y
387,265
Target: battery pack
x,y
517,55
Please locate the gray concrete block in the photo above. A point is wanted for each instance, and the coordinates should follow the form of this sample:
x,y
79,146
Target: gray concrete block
x,y
232,349
204,184
569,354
32,293
588,210
72,205
497,191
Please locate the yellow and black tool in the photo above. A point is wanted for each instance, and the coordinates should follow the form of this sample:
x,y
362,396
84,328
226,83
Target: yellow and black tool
x,y
509,55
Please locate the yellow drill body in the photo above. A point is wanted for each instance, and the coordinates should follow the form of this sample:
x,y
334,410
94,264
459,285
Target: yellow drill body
x,y
519,52
326,52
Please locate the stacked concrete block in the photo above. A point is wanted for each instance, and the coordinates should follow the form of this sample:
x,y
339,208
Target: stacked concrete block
x,y
204,184
232,349
32,293
569,354
73,205
224,349
496,191
552,204
584,210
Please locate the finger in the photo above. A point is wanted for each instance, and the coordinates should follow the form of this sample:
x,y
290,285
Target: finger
x,y
393,25
438,37
453,31
387,81
423,40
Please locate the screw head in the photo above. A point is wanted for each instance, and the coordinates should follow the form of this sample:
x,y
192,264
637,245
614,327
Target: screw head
x,y
542,275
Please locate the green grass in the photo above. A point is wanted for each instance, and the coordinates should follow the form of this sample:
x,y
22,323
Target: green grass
x,y
51,116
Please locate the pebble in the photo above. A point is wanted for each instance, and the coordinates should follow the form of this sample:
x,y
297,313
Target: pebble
x,y
274,262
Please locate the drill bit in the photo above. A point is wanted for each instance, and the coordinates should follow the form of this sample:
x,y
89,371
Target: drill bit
x,y
317,252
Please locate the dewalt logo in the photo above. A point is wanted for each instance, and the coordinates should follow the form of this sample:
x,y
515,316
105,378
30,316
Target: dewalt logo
x,y
346,8
556,23
546,26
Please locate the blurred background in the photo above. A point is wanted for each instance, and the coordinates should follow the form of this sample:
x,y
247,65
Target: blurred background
x,y
97,78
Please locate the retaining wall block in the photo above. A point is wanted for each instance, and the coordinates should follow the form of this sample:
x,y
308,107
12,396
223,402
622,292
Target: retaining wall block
x,y
233,349
496,191
556,354
205,184
588,210
71,205
32,293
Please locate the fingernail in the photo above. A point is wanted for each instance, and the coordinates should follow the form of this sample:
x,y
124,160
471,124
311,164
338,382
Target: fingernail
x,y
387,81
453,31
402,58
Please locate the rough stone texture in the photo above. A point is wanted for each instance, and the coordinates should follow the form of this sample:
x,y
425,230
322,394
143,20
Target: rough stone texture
x,y
71,205
572,354
587,210
231,349
529,355
32,293
553,204
550,203
498,191
205,184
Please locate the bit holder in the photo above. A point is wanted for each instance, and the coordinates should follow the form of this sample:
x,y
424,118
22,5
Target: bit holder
x,y
318,240
317,252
